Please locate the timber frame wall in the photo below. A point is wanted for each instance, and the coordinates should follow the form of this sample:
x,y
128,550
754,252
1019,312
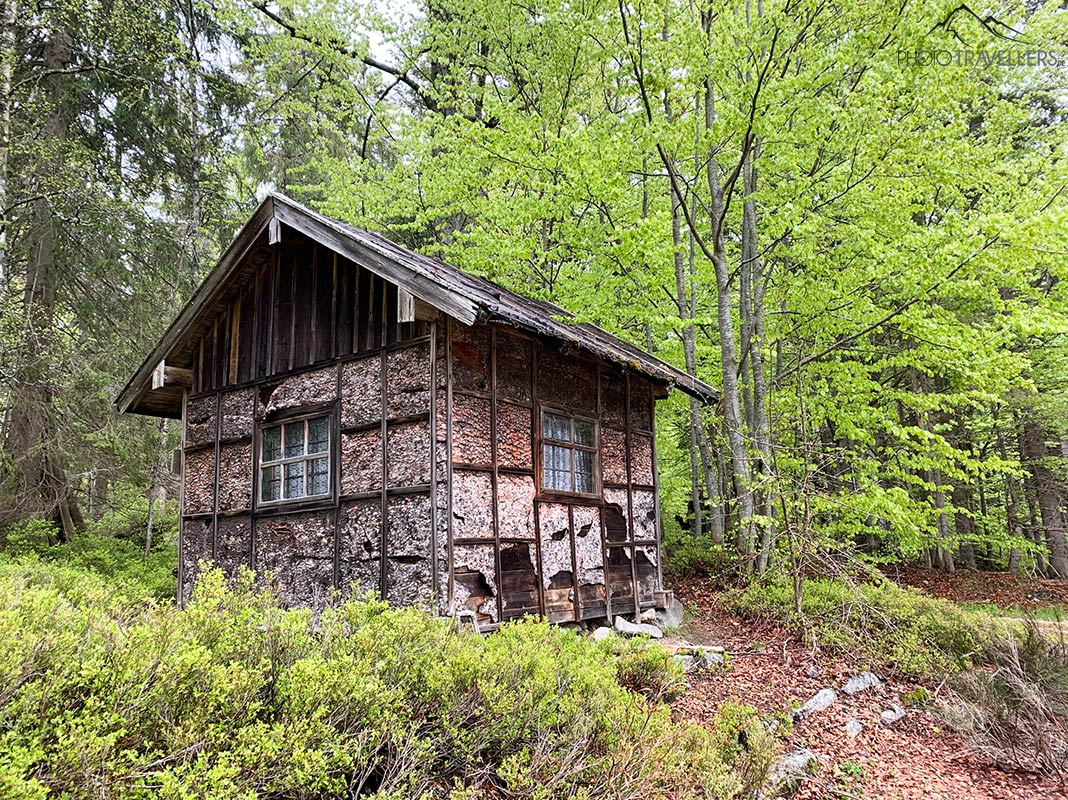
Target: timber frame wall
x,y
459,525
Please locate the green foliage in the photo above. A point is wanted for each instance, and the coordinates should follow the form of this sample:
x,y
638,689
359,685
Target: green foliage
x,y
687,555
881,625
101,692
646,669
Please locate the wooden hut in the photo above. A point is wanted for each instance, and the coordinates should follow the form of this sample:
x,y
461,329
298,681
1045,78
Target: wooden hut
x,y
359,416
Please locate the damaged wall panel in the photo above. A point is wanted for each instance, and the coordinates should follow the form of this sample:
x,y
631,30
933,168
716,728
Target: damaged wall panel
x,y
475,577
515,506
200,420
472,505
519,580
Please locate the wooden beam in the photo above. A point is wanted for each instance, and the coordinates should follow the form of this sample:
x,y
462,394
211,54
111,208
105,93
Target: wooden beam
x,y
405,305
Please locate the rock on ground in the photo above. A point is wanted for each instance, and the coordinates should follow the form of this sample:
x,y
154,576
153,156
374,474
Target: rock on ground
x,y
819,701
853,727
639,629
892,714
601,633
670,617
862,683
786,773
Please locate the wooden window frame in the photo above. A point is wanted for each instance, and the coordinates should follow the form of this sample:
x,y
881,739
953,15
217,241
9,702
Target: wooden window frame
x,y
304,458
594,450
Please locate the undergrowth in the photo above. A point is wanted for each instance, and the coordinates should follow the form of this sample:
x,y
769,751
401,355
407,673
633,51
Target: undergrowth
x,y
883,626
105,694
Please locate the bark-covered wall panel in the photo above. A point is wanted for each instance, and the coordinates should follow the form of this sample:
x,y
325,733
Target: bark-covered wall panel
x,y
360,545
196,547
235,543
238,408
235,476
613,399
200,414
470,357
361,461
644,504
408,454
300,389
297,551
361,391
513,367
408,379
613,456
199,477
567,381
515,506
641,459
513,437
408,581
641,404
471,443
472,505
408,529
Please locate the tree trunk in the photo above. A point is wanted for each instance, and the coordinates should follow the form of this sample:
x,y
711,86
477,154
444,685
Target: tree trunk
x,y
964,524
1048,493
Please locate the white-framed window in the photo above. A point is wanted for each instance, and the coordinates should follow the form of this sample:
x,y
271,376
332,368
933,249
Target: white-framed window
x,y
569,453
295,460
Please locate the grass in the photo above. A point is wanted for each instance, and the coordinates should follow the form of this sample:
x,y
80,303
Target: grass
x,y
1050,613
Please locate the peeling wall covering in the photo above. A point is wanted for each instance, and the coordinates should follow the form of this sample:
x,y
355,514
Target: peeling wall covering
x,y
199,477
644,502
237,412
588,544
302,389
296,550
361,461
408,454
235,476
513,437
476,584
515,506
361,391
408,380
519,581
200,420
471,430
472,505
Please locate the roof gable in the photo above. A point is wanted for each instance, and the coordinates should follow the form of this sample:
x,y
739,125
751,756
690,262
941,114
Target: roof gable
x,y
467,298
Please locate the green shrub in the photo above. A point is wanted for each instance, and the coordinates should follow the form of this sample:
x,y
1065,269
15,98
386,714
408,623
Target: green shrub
x,y
103,693
686,555
883,625
646,669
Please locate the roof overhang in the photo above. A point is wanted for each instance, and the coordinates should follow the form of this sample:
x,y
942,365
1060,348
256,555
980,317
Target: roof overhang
x,y
158,385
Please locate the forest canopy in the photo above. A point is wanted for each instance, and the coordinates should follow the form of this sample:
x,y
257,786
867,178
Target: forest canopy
x,y
850,218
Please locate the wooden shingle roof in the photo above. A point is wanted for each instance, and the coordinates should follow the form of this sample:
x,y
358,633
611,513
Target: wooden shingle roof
x,y
466,298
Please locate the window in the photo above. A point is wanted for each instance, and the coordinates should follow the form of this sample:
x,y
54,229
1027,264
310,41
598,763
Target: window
x,y
569,446
295,460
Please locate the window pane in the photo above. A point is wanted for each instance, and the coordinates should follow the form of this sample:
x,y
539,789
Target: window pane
x,y
294,439
318,435
270,483
557,428
556,468
318,478
294,478
272,444
583,471
583,432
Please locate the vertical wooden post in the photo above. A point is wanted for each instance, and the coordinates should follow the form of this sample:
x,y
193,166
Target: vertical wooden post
x,y
600,508
535,456
630,502
493,475
435,579
181,504
448,477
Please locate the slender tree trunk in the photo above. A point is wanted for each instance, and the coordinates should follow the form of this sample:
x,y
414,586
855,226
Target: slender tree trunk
x,y
964,524
7,63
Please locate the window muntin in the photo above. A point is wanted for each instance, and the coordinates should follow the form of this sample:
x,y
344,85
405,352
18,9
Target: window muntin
x,y
295,460
569,448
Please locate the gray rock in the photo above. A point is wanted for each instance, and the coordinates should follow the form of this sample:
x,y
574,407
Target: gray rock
x,y
892,714
819,701
853,727
786,774
813,670
709,657
686,661
649,615
862,683
640,629
601,633
670,617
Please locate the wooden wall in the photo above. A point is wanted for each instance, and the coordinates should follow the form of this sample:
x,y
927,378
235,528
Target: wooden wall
x,y
516,549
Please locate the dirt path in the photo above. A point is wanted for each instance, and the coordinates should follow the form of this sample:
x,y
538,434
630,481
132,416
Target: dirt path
x,y
916,758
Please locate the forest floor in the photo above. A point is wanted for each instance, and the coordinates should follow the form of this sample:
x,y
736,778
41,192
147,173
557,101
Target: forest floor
x,y
917,758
